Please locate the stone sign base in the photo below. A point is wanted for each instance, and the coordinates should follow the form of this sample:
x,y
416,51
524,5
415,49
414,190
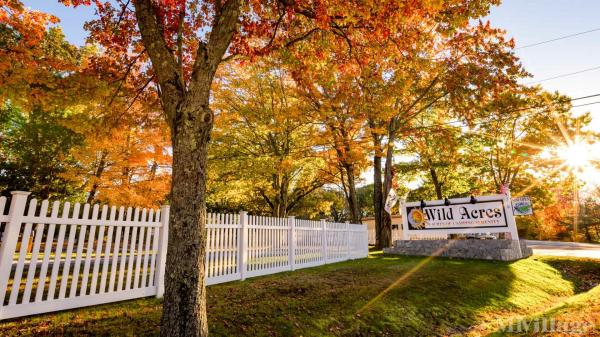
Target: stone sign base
x,y
502,250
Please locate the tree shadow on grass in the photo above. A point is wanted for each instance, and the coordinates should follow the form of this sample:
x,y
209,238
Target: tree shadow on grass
x,y
584,273
440,297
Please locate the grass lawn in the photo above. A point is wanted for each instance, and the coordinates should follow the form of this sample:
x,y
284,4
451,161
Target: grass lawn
x,y
381,295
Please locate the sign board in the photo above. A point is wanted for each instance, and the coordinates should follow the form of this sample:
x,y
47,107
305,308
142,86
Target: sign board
x,y
485,214
459,215
522,206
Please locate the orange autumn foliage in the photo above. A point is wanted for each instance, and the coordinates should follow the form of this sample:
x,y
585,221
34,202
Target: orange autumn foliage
x,y
126,158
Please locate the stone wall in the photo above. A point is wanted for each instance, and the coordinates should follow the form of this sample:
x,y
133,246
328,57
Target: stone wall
x,y
503,250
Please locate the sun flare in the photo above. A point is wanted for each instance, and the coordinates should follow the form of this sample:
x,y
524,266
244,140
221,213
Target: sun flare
x,y
581,158
576,155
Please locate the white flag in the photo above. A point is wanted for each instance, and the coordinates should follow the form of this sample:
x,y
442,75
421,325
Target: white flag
x,y
391,200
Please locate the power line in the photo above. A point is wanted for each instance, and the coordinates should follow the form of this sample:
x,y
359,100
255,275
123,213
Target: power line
x,y
510,111
584,97
558,38
576,106
564,75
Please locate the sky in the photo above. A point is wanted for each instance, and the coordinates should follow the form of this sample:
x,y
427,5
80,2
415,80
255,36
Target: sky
x,y
532,21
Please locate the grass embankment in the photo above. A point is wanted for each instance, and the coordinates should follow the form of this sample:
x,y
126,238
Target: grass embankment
x,y
380,295
577,315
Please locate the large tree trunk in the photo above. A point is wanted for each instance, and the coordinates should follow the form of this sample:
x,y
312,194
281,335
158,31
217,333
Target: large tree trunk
x,y
355,216
386,220
280,200
186,108
282,197
436,182
184,308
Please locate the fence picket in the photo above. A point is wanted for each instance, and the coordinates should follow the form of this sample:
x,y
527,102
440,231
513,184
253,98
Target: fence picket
x,y
115,255
136,214
124,255
68,256
88,253
113,215
155,233
221,244
261,239
10,237
224,246
207,249
138,258
211,247
147,251
242,246
99,244
47,251
251,240
230,246
22,254
39,231
78,256
58,254
268,246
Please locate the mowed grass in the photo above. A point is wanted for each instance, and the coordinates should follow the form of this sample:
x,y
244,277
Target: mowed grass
x,y
380,295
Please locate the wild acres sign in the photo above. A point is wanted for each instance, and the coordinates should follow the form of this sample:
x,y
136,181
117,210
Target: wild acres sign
x,y
464,215
485,214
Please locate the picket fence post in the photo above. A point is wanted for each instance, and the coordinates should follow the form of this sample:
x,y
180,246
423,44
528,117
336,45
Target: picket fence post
x,y
291,241
243,245
10,238
347,236
324,240
163,242
366,242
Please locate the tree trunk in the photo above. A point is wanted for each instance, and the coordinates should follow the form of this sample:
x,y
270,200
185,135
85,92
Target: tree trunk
x,y
184,308
436,183
386,227
186,108
283,197
97,175
341,138
377,193
588,234
279,206
355,215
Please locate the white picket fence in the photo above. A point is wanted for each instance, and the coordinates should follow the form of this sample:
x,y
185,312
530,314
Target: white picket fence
x,y
89,255
397,235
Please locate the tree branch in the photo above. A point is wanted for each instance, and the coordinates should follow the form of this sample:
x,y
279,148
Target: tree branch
x,y
301,37
210,54
163,62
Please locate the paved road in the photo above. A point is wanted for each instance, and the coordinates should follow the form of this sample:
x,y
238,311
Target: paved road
x,y
565,248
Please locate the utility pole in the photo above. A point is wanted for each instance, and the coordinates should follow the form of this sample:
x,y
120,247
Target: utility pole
x,y
576,211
